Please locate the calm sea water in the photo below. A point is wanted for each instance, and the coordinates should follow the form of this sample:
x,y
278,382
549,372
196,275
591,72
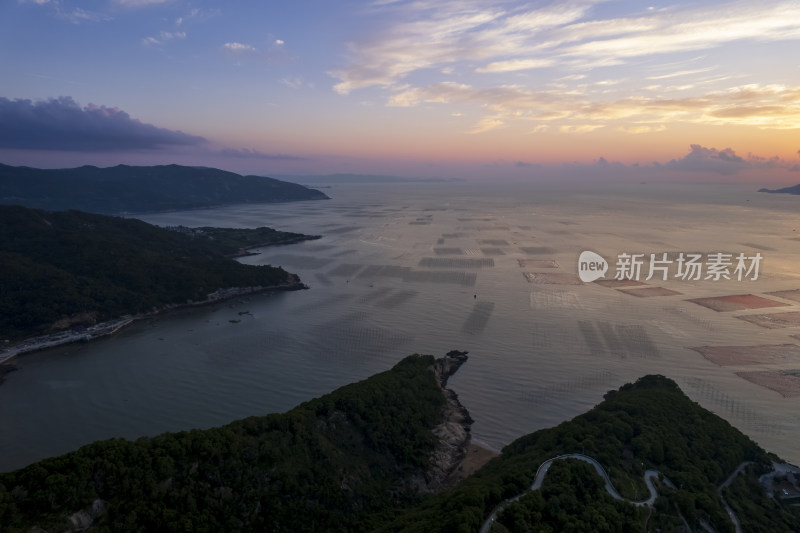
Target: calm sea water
x,y
426,268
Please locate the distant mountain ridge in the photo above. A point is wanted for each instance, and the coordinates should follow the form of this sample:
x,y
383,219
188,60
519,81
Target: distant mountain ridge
x,y
327,179
131,189
795,189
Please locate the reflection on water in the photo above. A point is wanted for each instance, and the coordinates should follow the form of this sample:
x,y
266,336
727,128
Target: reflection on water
x,y
429,268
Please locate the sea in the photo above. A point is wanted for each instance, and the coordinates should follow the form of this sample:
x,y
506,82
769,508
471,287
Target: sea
x,y
429,267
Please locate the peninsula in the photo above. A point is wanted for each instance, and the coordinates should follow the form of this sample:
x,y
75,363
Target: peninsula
x,y
72,275
139,189
794,189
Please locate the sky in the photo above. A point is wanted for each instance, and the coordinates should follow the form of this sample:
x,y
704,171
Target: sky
x,y
422,88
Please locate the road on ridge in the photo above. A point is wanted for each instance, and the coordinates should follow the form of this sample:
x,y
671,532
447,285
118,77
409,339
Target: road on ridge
x,y
649,475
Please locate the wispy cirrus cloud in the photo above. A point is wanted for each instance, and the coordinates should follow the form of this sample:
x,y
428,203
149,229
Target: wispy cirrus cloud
x,y
61,124
433,37
679,73
77,15
74,15
476,49
687,30
441,33
141,3
511,65
772,106
273,51
163,38
179,30
296,82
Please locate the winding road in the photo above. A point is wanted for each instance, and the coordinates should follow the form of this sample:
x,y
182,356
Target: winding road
x,y
648,480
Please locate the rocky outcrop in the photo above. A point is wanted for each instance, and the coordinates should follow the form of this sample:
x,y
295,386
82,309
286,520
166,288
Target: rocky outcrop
x,y
446,366
85,518
453,432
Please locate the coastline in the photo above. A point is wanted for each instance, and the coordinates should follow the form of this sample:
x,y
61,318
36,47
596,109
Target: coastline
x,y
246,251
110,327
456,456
453,433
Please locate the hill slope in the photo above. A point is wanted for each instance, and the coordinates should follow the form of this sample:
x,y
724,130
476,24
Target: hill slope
x,y
650,424
58,265
323,466
131,189
362,457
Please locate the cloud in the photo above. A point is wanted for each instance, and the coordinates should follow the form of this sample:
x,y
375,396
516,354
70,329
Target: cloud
x,y
642,129
426,35
238,48
692,29
541,128
78,15
680,73
272,52
75,15
295,82
580,128
140,3
413,56
702,159
487,124
432,37
163,38
61,124
770,106
439,93
515,64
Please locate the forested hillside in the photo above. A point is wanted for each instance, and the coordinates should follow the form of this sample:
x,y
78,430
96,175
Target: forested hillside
x,y
355,459
649,424
132,189
336,463
76,267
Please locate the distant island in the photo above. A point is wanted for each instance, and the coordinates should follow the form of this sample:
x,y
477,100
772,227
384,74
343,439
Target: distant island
x,y
795,189
388,454
139,189
68,270
329,179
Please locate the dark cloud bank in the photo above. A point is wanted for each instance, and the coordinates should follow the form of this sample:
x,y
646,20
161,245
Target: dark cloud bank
x,y
61,124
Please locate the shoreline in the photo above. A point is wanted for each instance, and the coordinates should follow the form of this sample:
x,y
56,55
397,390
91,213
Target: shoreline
x,y
476,456
110,327
247,250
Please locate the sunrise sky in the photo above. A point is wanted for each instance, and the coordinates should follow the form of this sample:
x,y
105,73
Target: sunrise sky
x,y
415,88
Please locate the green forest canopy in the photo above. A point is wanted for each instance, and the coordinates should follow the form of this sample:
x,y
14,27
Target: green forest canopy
x,y
343,462
138,189
64,264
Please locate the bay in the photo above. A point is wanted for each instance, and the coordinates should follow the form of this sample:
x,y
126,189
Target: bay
x,y
426,268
